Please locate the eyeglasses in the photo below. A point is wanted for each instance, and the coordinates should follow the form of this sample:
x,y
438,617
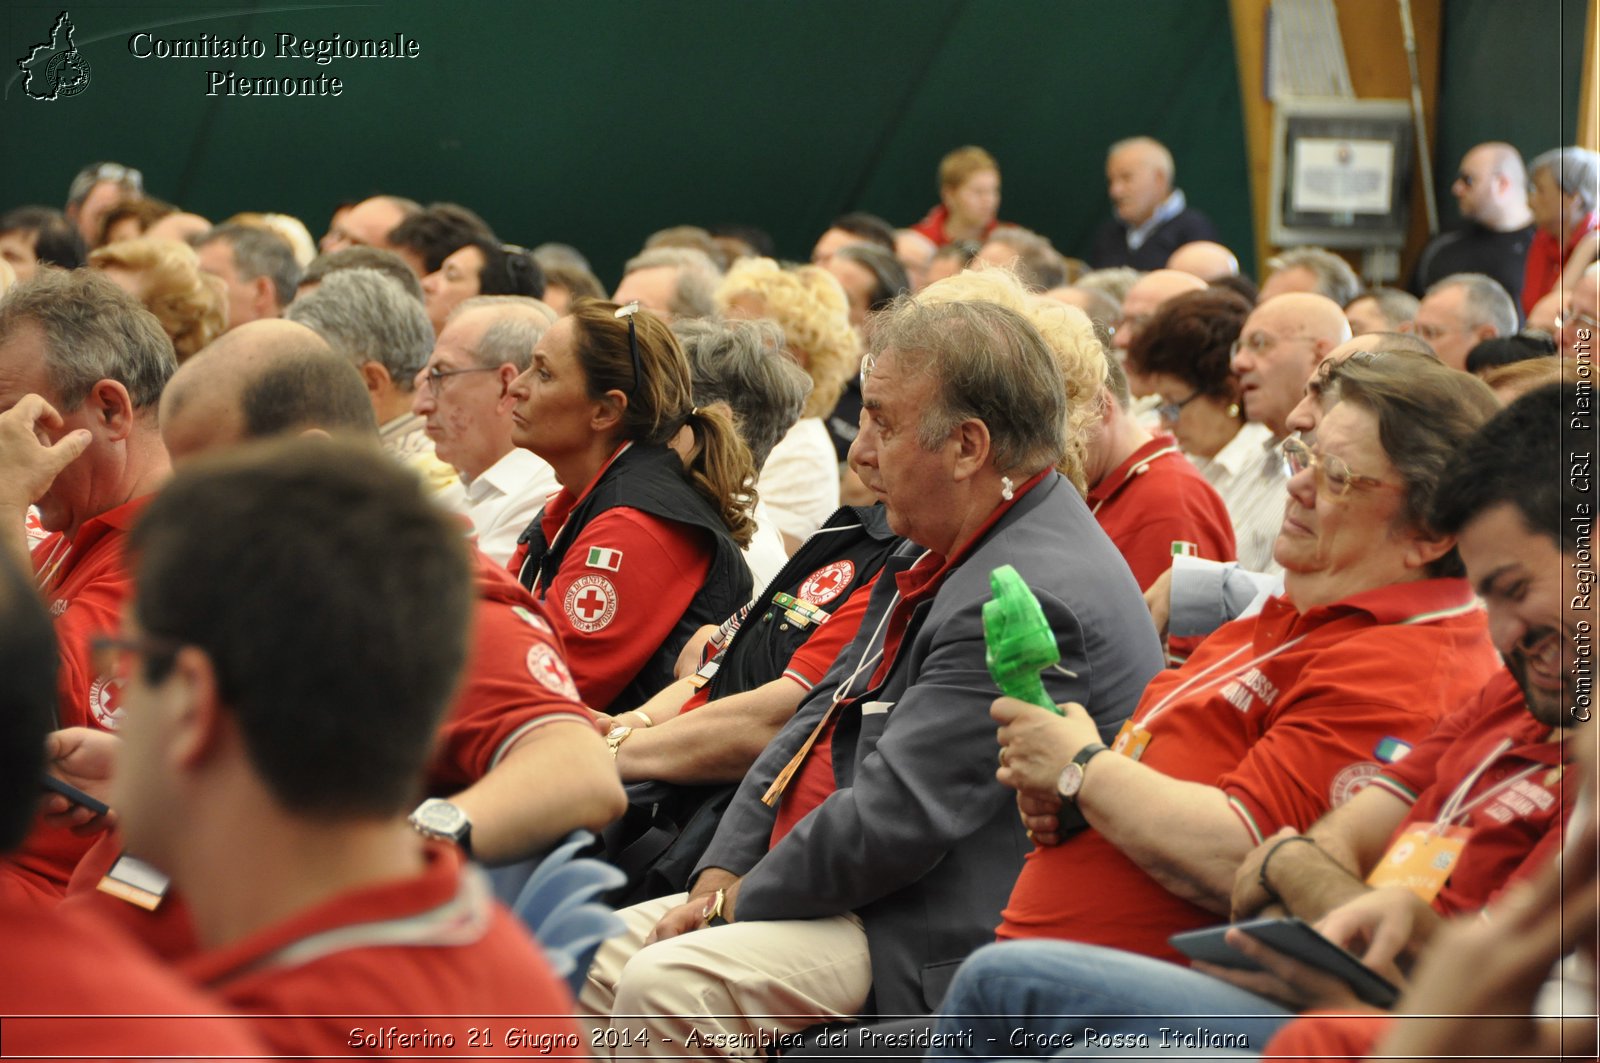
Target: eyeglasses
x,y
1261,341
629,310
1131,325
108,653
1169,411
1466,179
1578,320
1333,475
433,377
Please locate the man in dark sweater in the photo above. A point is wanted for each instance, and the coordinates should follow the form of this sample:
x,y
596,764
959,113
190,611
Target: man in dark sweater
x,y
1152,217
1491,189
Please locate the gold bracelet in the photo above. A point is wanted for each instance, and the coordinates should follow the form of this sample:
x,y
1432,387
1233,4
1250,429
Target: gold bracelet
x,y
648,722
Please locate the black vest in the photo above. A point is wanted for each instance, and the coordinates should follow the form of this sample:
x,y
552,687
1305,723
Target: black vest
x,y
842,555
651,480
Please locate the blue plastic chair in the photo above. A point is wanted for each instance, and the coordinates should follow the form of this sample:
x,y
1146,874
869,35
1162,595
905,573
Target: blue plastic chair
x,y
575,935
545,897
557,905
510,880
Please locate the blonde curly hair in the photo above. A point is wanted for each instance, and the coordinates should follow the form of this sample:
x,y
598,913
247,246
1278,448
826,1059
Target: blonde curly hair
x,y
809,304
1066,330
191,305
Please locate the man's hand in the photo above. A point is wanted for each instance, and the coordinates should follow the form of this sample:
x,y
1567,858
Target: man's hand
x,y
1284,978
1248,896
691,914
1380,926
1035,743
1158,599
1041,816
29,463
86,758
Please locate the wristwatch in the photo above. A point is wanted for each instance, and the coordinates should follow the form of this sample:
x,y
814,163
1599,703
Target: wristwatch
x,y
1071,779
616,736
438,818
711,914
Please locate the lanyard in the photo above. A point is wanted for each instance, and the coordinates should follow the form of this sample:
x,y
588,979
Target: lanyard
x,y
1135,471
1162,705
1454,809
46,578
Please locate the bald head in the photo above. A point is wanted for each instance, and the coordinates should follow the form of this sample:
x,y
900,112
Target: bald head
x,y
1282,341
1491,186
1146,297
262,379
1205,259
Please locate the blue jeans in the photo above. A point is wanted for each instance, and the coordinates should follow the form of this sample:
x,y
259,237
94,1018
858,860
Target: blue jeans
x,y
1033,999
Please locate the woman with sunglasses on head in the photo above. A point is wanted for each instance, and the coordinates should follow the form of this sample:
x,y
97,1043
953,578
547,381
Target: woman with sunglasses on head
x,y
640,547
483,266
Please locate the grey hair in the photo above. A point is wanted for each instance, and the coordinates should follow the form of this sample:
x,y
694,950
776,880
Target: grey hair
x,y
367,317
698,277
744,364
93,331
1335,278
511,336
1163,156
1486,303
361,256
1039,265
1396,306
989,364
259,253
1574,170
1113,282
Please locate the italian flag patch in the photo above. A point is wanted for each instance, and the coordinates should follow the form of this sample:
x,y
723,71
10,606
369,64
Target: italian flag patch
x,y
602,557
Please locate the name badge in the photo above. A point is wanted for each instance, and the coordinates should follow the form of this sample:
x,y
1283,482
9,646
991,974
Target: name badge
x,y
1130,741
1421,860
136,882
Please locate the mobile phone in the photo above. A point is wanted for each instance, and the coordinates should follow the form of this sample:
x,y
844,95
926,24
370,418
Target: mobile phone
x,y
75,795
1296,938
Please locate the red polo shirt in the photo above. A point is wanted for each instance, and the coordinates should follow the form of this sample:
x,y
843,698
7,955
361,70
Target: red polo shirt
x,y
86,582
814,781
1518,829
1155,498
1547,258
1288,714
93,994
933,226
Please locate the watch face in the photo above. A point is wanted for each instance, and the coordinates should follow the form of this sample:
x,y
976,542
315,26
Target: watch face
x,y
441,818
1070,781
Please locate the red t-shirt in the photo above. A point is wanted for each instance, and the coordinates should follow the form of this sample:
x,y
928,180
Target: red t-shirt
x,y
1517,830
623,585
814,781
100,996
1285,737
1547,258
933,226
86,582
1155,498
434,947
516,679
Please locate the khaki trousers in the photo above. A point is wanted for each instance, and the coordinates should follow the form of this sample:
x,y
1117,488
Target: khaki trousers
x,y
723,992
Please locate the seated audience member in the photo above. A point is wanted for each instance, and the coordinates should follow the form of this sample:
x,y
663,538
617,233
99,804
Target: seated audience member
x,y
481,266
1032,257
73,975
1562,195
639,549
565,285
872,279
286,227
82,366
969,199
368,318
425,239
738,241
97,188
848,230
30,236
1240,285
387,263
1102,310
463,395
1282,341
256,267
1508,350
1139,304
741,365
1511,381
1274,719
671,282
915,252
181,226
800,482
1310,269
952,259
1206,259
166,277
1461,311
369,223
873,817
313,901
1576,328
1149,498
1113,281
688,238
1491,191
335,227
1381,310
1152,217
131,219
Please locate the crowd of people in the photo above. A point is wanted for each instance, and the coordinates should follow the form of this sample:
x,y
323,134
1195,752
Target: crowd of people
x,y
362,565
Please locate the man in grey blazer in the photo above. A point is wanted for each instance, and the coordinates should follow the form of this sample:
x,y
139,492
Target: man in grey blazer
x,y
870,848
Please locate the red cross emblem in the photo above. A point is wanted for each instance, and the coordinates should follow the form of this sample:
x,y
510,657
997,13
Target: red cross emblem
x,y
105,702
590,603
827,582
545,665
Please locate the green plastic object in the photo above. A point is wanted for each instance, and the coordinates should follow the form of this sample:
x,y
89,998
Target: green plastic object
x,y
1019,641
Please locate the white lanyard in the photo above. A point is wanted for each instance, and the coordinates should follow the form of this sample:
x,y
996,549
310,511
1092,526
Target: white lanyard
x,y
1162,705
52,565
1454,809
1135,471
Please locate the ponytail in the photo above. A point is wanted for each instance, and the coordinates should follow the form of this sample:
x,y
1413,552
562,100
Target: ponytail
x,y
720,468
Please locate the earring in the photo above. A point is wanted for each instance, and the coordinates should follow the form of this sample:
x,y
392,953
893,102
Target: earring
x,y
1233,410
1007,488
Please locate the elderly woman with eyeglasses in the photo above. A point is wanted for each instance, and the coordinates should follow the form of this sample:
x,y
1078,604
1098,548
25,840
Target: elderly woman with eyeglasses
x,y
639,548
482,266
1276,718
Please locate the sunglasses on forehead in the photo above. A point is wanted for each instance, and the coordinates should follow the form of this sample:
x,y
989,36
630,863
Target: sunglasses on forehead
x,y
628,311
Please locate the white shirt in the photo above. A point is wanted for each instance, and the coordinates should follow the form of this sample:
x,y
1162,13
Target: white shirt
x,y
765,555
505,498
1252,477
800,481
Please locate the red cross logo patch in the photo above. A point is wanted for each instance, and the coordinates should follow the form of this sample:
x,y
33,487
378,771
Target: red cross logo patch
x,y
105,702
546,665
827,582
591,603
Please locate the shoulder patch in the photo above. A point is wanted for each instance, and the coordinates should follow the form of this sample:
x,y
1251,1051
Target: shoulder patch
x,y
590,603
546,665
605,558
105,702
1351,781
827,582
